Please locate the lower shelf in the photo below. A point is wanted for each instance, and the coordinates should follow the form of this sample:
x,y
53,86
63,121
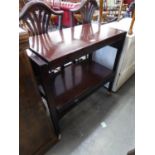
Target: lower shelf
x,y
76,81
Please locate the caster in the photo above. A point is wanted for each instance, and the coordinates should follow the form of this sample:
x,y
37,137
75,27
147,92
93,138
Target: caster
x,y
59,137
109,93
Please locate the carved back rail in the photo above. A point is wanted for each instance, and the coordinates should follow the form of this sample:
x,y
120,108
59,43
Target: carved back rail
x,y
86,10
36,17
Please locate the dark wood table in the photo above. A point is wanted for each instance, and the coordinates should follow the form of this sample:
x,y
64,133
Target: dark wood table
x,y
65,88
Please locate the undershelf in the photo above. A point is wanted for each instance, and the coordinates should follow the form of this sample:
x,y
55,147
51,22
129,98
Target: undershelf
x,y
77,81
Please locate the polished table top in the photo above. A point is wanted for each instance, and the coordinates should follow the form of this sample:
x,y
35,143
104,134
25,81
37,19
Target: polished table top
x,y
78,79
56,46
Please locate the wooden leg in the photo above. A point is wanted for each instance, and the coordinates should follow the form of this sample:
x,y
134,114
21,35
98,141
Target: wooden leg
x,y
46,83
119,45
109,92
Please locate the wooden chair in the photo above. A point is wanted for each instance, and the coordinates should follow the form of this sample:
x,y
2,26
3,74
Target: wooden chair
x,y
84,12
22,3
36,17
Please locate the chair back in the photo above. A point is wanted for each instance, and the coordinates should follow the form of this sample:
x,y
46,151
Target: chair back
x,y
36,17
86,11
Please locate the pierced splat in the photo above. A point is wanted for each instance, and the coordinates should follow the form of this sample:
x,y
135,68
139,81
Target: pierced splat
x,y
85,10
36,16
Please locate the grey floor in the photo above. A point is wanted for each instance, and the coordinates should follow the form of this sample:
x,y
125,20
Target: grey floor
x,y
83,134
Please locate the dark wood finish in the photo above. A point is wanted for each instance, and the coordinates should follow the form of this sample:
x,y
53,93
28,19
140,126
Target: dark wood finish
x,y
62,46
64,89
21,4
36,16
69,86
86,11
42,72
23,40
36,131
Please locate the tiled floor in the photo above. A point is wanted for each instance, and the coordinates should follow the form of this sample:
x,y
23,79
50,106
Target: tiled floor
x,y
83,134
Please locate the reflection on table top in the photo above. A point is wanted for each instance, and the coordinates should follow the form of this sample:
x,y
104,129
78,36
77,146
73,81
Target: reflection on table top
x,y
58,44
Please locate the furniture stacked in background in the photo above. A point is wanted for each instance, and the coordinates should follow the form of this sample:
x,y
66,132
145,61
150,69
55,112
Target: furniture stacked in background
x,y
128,1
65,6
84,12
131,9
108,10
36,130
112,10
74,12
